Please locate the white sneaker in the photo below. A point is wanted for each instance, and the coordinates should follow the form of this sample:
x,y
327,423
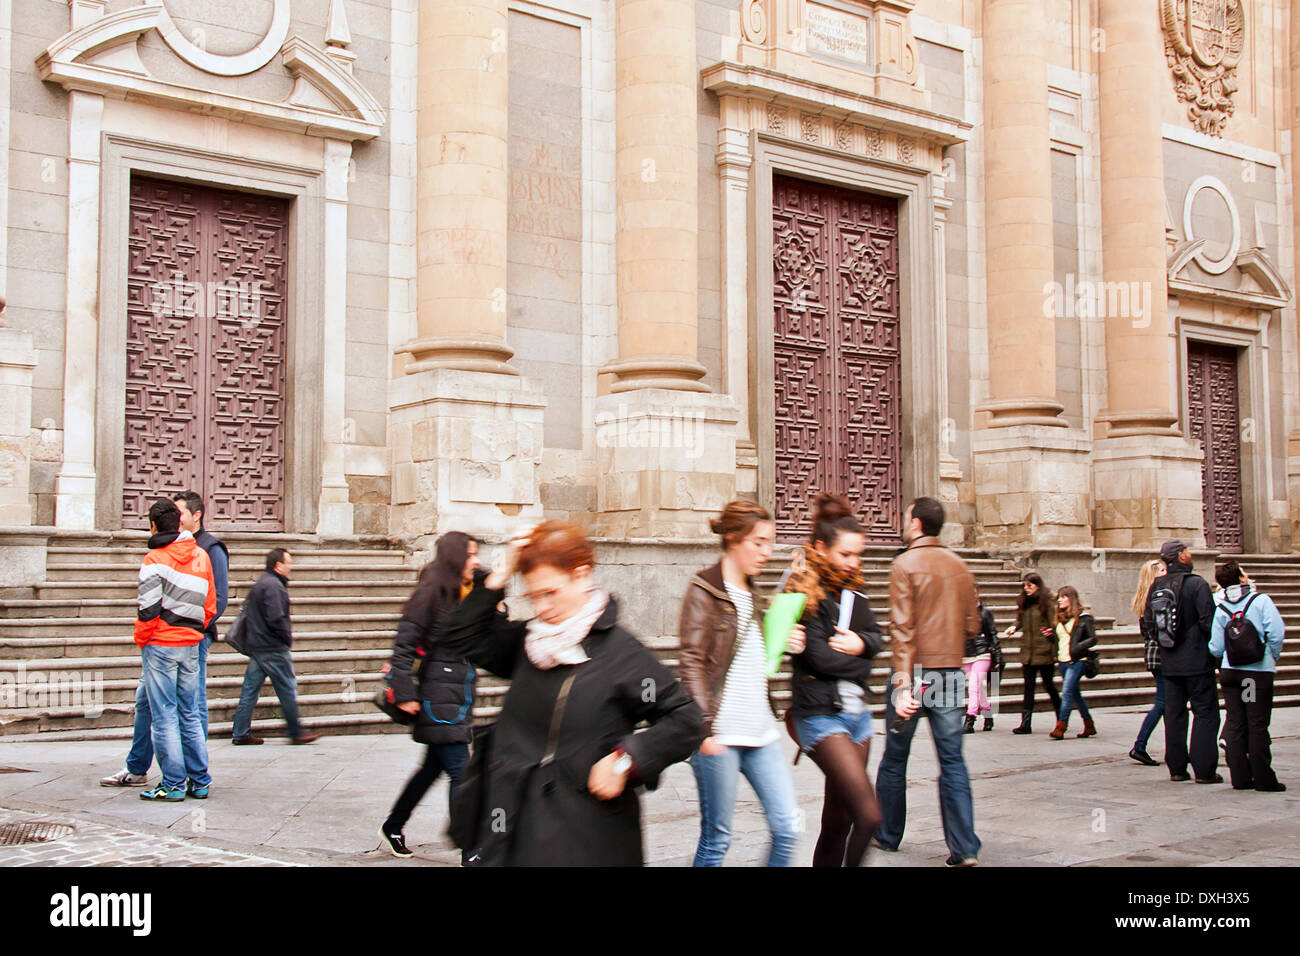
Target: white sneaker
x,y
125,778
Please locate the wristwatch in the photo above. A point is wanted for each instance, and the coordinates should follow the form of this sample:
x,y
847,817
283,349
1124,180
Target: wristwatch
x,y
623,763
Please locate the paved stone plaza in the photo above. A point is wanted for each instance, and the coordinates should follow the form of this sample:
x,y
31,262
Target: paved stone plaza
x,y
1037,802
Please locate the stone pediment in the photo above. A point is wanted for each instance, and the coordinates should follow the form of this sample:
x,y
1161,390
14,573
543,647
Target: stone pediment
x,y
1260,282
102,57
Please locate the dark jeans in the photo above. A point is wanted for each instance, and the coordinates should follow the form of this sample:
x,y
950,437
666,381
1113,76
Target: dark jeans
x,y
944,706
1200,692
1154,714
278,666
440,757
1045,671
1248,699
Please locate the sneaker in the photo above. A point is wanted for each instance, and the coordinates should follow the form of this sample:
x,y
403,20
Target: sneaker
x,y
198,793
125,778
163,793
961,861
396,843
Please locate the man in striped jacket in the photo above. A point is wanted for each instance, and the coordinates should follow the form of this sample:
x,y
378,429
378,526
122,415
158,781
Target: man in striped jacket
x,y
177,599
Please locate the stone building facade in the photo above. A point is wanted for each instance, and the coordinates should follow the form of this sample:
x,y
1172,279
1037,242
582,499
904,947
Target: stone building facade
x,y
389,268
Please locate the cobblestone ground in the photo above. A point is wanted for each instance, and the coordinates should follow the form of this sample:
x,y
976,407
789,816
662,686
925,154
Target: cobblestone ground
x,y
1038,802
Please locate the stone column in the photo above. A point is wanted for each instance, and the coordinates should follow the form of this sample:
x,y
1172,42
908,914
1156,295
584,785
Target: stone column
x,y
335,511
466,428
1031,480
666,449
1146,476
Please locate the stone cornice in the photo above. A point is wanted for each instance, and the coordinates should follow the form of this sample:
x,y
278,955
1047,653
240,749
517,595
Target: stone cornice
x,y
101,58
769,86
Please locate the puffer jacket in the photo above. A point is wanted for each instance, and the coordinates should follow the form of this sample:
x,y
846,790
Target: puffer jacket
x,y
422,669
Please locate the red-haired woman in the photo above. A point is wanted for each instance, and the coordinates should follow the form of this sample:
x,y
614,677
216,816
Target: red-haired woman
x,y
830,700
565,764
723,663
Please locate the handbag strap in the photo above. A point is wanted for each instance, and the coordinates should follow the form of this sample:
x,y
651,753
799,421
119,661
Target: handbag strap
x,y
556,717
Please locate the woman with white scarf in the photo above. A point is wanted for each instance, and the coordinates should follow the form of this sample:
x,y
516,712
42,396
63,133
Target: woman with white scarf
x,y
565,765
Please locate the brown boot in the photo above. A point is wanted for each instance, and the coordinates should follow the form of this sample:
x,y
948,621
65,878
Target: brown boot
x,y
1089,729
1058,732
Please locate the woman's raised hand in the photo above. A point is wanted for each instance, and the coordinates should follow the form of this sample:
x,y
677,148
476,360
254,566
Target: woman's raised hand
x,y
509,560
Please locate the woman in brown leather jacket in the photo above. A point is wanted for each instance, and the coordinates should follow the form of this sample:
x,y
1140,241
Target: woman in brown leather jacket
x,y
1036,622
723,664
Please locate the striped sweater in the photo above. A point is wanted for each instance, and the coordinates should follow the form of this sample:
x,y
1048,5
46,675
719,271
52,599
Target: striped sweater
x,y
177,596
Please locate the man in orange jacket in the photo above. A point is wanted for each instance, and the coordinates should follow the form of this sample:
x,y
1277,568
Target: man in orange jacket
x,y
177,599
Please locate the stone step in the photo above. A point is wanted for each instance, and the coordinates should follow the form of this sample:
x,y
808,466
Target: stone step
x,y
126,590
41,627
73,611
115,557
243,575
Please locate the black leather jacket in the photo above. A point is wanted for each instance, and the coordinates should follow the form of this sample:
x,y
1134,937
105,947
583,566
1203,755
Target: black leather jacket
x,y
819,669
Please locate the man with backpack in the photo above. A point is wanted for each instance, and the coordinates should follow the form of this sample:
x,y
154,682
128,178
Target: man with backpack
x,y
1248,632
1180,613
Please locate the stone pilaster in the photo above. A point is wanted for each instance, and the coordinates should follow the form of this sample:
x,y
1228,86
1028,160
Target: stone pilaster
x,y
1032,487
1146,475
1293,401
466,448
17,362
666,462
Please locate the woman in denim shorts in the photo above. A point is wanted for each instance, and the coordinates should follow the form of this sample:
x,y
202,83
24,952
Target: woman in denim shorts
x,y
830,706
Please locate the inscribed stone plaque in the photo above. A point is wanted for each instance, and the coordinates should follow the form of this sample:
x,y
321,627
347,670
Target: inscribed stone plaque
x,y
836,33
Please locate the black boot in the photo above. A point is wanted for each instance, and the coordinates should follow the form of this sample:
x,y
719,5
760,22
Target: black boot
x,y
969,726
988,723
1026,718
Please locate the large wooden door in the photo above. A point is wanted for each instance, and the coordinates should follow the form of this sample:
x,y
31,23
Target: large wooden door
x,y
1213,416
205,354
838,363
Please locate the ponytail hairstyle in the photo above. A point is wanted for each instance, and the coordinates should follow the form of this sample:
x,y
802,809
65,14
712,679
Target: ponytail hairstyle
x,y
832,516
1044,599
737,520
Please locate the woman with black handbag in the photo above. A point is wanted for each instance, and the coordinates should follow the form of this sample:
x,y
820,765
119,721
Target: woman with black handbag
x,y
430,682
557,783
1076,636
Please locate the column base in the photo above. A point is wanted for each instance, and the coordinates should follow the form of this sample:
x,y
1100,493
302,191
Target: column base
x,y
954,532
74,499
17,363
466,449
1031,488
336,511
1147,489
666,460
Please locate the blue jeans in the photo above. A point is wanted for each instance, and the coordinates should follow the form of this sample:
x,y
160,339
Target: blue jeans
x,y
944,706
1071,696
140,757
171,679
278,666
765,769
817,727
1154,714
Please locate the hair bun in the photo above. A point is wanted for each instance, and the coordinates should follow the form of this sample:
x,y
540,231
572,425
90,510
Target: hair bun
x,y
716,525
829,507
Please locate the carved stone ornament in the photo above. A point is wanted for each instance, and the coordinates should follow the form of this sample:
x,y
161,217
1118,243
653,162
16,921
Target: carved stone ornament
x,y
1203,44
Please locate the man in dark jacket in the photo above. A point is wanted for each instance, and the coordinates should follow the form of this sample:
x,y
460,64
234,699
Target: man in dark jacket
x,y
1188,669
267,638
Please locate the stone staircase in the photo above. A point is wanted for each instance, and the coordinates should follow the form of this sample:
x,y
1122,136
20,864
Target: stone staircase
x,y
68,661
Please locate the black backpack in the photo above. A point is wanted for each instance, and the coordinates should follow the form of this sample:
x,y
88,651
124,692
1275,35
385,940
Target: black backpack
x,y
1164,611
1240,639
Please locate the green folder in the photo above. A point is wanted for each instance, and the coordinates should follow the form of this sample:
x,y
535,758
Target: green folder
x,y
781,617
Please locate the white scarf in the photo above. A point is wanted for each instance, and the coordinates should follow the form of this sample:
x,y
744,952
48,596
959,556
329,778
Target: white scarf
x,y
549,645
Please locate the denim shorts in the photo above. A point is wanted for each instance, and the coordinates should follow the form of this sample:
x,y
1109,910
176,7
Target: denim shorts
x,y
816,728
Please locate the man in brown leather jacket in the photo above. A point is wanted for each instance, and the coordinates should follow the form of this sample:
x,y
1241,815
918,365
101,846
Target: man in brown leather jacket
x,y
932,612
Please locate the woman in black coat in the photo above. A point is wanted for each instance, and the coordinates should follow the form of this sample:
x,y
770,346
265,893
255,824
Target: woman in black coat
x,y
429,681
830,700
564,762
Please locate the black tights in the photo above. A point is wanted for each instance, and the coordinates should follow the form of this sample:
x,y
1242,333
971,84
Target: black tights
x,y
850,813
